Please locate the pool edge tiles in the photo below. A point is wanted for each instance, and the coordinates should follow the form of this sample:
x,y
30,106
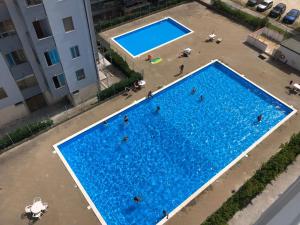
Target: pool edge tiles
x,y
147,25
203,187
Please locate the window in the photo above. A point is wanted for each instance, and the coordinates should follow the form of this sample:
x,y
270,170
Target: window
x,y
42,28
6,28
80,74
27,82
16,57
75,52
68,24
33,2
59,80
52,57
2,93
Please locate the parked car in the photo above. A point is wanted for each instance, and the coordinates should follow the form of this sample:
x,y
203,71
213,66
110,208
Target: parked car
x,y
252,3
265,5
291,16
278,10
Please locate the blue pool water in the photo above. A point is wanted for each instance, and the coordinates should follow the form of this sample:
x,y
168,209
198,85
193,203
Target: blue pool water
x,y
171,153
146,38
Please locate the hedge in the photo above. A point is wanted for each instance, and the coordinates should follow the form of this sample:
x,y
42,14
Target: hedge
x,y
256,184
131,77
240,16
24,132
285,33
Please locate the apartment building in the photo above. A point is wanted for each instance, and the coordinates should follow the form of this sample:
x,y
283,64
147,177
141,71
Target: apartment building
x,y
47,53
109,9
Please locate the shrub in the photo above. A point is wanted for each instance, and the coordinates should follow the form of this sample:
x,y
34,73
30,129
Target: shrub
x,y
24,132
256,184
240,16
131,77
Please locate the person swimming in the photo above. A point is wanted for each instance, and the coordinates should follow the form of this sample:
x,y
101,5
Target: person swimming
x,y
157,108
137,199
193,90
125,139
126,119
166,214
259,118
201,98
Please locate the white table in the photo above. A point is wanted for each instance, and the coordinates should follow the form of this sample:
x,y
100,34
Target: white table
x,y
37,207
212,36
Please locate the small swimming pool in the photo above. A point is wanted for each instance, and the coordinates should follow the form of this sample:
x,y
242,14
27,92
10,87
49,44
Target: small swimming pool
x,y
151,36
172,154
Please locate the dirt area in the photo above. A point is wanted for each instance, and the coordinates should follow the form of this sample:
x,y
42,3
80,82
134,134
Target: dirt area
x,y
31,169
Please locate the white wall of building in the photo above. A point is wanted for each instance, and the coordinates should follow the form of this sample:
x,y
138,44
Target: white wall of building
x,y
56,11
8,110
291,58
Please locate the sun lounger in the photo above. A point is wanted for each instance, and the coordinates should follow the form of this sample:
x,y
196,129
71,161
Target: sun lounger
x,y
297,87
219,40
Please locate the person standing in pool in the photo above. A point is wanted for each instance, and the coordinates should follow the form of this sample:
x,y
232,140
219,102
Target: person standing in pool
x,y
166,214
259,118
126,119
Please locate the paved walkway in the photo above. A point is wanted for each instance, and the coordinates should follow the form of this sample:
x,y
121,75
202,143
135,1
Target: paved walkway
x,y
261,203
31,169
285,210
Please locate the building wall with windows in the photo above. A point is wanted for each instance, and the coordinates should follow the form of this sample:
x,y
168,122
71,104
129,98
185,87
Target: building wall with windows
x,y
72,34
11,99
49,51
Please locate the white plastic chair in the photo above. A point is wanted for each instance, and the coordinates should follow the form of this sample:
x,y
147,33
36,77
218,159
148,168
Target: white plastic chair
x,y
28,209
45,204
37,199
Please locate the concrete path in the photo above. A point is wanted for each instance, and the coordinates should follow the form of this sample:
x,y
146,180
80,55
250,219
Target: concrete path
x,y
286,210
273,192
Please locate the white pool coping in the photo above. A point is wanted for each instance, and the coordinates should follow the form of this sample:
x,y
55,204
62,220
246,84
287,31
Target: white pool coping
x,y
202,188
168,42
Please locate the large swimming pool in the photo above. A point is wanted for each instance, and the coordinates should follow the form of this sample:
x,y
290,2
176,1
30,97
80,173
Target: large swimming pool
x,y
173,153
151,36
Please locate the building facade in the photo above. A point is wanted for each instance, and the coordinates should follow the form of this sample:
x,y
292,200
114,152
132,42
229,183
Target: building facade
x,y
47,53
109,9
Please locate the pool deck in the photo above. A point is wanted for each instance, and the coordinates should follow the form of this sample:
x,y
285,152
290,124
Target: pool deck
x,y
31,169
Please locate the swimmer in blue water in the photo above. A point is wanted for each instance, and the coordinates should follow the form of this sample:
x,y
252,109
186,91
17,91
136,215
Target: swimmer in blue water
x,y
259,118
193,91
